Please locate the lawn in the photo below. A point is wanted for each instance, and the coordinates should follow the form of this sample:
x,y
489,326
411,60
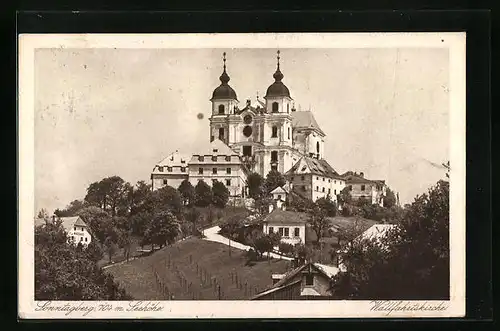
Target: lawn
x,y
193,269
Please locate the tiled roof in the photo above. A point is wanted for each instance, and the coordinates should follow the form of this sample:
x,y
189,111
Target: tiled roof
x,y
174,159
279,216
306,120
310,165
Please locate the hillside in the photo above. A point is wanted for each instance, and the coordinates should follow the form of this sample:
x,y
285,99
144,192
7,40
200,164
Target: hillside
x,y
189,270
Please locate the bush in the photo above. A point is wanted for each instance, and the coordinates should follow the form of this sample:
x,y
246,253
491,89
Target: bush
x,y
286,248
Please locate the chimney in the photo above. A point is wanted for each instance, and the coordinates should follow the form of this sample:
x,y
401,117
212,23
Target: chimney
x,y
362,175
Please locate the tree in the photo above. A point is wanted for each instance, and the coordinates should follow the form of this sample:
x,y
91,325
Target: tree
x,y
255,185
410,263
163,199
98,220
43,214
274,179
110,247
164,228
344,196
186,191
286,248
262,204
203,194
67,272
328,206
389,199
71,210
319,222
125,242
220,194
192,216
107,194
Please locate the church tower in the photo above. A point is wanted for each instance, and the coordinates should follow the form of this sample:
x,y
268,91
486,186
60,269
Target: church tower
x,y
224,101
276,128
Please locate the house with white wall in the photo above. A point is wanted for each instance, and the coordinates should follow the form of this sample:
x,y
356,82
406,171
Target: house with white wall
x,y
76,229
170,171
290,225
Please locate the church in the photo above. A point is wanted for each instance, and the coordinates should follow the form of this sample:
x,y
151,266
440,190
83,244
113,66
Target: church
x,y
261,136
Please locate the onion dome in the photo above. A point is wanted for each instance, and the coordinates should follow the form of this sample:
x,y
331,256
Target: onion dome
x,y
224,91
278,89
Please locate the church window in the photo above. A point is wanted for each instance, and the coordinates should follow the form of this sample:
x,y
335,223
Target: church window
x,y
160,169
274,156
317,147
221,133
287,108
228,158
247,150
275,107
228,182
362,187
214,158
201,158
288,133
221,109
165,182
228,171
200,171
214,171
247,131
247,119
275,132
183,169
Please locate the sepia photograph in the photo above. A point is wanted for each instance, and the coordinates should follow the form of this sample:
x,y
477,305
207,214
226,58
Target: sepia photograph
x,y
224,171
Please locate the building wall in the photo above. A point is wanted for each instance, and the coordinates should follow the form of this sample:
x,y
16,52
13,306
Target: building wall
x,y
322,186
173,180
79,234
321,284
291,238
368,191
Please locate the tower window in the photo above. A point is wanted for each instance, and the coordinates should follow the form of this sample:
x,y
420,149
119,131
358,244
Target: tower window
x,y
317,147
247,150
288,133
221,109
274,156
274,132
221,133
200,171
287,108
214,171
275,107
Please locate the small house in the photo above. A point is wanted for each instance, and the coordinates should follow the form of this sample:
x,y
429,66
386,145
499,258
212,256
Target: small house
x,y
290,225
311,281
280,196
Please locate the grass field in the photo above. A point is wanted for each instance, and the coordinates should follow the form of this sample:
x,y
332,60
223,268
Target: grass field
x,y
193,269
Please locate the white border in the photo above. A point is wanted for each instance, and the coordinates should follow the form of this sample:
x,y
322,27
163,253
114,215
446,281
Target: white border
x,y
455,42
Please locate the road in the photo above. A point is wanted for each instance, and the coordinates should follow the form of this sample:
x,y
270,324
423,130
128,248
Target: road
x,y
211,234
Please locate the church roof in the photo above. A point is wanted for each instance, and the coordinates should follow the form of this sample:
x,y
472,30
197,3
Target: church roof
x,y
310,165
224,91
277,89
305,120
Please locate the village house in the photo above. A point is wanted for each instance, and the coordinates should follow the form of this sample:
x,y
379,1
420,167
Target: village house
x,y
280,197
360,187
290,225
75,228
311,281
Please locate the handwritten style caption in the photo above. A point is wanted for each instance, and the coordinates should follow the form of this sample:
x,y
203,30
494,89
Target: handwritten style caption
x,y
407,306
86,309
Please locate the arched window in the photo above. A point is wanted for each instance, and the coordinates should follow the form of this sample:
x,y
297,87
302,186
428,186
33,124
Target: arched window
x,y
275,107
221,109
221,133
275,132
288,133
274,156
317,147
287,108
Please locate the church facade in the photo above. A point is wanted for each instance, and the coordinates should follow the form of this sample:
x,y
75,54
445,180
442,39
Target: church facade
x,y
264,135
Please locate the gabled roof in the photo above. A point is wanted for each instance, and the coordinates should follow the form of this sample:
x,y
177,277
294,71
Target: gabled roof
x,y
279,190
310,165
278,216
326,270
68,223
355,178
305,120
174,159
216,147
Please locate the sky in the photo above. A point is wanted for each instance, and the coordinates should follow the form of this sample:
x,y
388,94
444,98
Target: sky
x,y
104,112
